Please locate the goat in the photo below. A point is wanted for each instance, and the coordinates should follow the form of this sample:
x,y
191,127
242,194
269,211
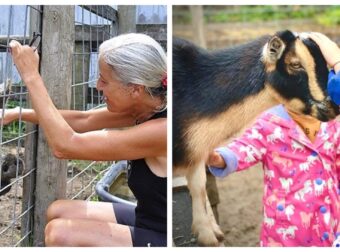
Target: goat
x,y
10,169
216,93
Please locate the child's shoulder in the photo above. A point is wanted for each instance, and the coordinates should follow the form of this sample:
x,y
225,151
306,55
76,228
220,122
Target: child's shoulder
x,y
275,115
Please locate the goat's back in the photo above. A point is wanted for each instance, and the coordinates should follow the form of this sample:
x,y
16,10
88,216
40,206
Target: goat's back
x,y
206,84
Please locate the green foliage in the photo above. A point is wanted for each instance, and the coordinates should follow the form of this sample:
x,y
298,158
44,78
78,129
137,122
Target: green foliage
x,y
182,18
263,13
331,17
15,128
95,198
326,15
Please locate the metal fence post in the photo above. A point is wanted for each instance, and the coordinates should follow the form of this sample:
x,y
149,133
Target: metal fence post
x,y
56,71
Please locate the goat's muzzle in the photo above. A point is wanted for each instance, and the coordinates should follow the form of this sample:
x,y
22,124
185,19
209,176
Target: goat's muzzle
x,y
326,110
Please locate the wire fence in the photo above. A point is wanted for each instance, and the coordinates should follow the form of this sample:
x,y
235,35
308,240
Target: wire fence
x,y
91,30
15,175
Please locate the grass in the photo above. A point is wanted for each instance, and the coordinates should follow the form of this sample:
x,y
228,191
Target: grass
x,y
15,128
330,18
325,15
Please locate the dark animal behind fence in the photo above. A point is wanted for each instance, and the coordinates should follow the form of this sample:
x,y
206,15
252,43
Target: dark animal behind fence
x,y
217,93
11,167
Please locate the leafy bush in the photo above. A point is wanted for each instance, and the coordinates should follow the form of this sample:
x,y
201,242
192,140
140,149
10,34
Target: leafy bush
x,y
330,17
326,15
13,129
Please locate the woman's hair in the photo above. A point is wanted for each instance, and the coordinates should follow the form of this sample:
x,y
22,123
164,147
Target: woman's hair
x,y
138,59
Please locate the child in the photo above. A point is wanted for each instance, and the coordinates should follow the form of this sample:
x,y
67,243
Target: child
x,y
301,158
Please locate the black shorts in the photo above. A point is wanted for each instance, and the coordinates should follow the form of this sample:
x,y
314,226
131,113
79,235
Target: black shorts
x,y
141,237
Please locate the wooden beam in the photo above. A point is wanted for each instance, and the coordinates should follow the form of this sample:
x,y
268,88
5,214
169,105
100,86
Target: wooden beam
x,y
104,11
156,31
127,18
92,33
4,39
30,154
56,71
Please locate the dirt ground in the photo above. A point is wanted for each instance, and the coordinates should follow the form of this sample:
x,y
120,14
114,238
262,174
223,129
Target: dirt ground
x,y
10,206
240,208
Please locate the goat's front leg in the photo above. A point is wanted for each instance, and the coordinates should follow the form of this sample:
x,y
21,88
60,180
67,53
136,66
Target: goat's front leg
x,y
203,225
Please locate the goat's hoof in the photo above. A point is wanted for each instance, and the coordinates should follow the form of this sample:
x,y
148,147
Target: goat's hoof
x,y
207,238
218,233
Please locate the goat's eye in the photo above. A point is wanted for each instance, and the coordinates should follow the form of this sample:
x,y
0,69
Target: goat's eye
x,y
295,65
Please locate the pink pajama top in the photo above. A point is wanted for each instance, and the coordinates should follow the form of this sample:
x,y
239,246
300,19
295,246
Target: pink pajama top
x,y
301,194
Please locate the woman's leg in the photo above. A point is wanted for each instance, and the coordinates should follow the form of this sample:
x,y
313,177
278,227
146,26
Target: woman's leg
x,y
86,223
80,209
81,232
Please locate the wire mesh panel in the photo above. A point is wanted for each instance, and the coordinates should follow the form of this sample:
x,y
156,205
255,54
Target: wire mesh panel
x,y
17,150
93,25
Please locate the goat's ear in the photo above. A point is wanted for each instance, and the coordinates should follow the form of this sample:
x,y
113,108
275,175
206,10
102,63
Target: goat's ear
x,y
275,48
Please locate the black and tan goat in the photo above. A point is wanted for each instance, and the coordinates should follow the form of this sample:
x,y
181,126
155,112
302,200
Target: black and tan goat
x,y
11,167
217,93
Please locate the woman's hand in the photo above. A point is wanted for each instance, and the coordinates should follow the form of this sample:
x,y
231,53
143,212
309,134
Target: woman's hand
x,y
26,60
10,115
216,160
329,49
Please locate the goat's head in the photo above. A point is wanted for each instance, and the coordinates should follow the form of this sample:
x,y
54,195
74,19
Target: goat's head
x,y
297,74
10,168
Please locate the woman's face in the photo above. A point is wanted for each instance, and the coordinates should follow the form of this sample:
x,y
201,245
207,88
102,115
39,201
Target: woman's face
x,y
116,95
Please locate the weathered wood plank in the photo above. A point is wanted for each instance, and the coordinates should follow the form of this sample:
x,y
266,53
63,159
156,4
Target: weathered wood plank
x,y
92,33
56,71
127,18
30,154
104,11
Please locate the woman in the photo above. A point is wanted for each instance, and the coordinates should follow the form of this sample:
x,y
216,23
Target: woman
x,y
133,81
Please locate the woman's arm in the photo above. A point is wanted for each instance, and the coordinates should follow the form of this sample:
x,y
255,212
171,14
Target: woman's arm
x,y
145,140
80,121
329,49
331,53
142,141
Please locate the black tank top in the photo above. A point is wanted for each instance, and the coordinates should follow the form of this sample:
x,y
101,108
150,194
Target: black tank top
x,y
150,192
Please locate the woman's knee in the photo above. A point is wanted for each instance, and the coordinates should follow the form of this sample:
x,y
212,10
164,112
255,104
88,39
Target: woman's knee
x,y
55,233
56,209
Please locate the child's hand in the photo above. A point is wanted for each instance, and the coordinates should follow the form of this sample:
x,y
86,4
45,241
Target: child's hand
x,y
216,160
329,49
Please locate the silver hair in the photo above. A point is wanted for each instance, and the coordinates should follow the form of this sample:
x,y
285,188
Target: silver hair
x,y
136,58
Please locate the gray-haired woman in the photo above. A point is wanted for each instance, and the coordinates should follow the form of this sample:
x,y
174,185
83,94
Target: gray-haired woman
x,y
133,81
